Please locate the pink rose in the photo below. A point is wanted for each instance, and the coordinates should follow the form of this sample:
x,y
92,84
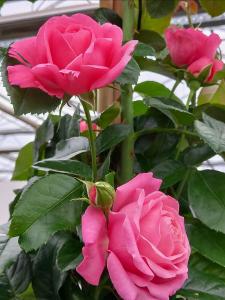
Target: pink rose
x,y
193,49
71,55
144,244
84,126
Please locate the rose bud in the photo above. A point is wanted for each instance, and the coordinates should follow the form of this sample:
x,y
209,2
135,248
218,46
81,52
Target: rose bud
x,y
101,194
84,126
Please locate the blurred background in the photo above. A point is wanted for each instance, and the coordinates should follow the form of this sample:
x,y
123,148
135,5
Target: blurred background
x,y
21,18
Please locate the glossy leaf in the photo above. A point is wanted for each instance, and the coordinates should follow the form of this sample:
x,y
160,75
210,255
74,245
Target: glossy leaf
x,y
104,15
143,49
206,195
130,74
202,238
45,208
9,250
30,100
151,38
104,168
193,156
108,115
69,255
139,108
24,161
68,127
74,167
212,132
213,7
172,109
170,171
206,280
160,8
111,136
155,89
71,147
47,279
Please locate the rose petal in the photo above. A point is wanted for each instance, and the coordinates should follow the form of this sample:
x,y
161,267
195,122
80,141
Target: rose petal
x,y
22,76
24,51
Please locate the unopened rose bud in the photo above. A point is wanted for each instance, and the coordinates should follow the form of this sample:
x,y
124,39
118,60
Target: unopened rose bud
x,y
101,194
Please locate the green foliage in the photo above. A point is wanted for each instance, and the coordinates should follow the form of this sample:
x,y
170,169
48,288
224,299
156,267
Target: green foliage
x,y
130,74
139,108
213,7
150,38
108,115
197,154
73,167
160,8
24,161
44,208
206,195
212,132
212,94
104,15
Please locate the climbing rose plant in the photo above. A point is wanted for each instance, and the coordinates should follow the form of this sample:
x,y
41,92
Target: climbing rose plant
x,y
115,205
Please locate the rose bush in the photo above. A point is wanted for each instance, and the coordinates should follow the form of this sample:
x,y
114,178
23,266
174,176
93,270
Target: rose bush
x,y
70,55
144,243
193,49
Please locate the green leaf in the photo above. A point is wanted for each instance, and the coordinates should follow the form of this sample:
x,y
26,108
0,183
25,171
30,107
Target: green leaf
x,y
104,168
111,136
213,7
47,279
161,8
108,115
156,66
172,109
150,38
139,108
206,195
195,155
30,100
71,147
202,238
24,161
170,171
143,49
9,250
68,127
69,255
212,132
104,15
45,208
206,280
130,74
155,89
74,167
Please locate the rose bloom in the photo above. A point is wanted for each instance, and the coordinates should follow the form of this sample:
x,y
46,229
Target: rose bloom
x,y
193,49
84,126
70,55
144,244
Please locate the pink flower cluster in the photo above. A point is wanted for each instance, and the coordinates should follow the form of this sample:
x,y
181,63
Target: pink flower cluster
x,y
143,242
70,55
194,50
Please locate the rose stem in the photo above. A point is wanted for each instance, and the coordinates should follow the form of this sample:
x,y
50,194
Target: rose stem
x,y
127,151
91,140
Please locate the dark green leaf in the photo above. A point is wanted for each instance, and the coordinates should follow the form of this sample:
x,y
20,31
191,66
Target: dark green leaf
x,y
24,161
155,66
206,280
45,208
202,238
69,255
104,15
160,8
130,74
206,195
143,49
112,136
151,38
155,89
213,7
68,127
212,132
195,155
47,279
75,167
172,109
139,108
71,147
9,250
108,115
104,168
170,171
